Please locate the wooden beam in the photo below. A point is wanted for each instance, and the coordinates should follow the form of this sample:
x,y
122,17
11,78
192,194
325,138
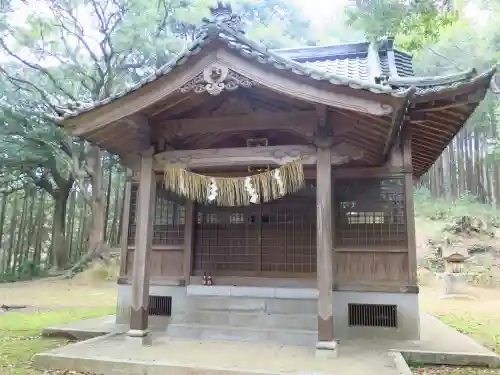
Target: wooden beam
x,y
321,115
397,121
143,244
125,223
324,245
300,122
276,155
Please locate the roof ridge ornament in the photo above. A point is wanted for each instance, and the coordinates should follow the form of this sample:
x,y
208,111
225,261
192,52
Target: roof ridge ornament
x,y
223,14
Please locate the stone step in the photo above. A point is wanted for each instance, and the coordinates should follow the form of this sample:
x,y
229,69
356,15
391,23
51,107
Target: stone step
x,y
227,333
248,319
247,304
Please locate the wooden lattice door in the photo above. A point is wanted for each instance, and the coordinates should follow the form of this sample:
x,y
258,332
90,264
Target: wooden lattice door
x,y
276,239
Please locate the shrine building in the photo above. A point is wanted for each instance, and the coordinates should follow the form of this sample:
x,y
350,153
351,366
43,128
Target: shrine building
x,y
270,195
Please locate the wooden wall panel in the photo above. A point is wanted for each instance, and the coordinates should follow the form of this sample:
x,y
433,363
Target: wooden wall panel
x,y
164,263
369,267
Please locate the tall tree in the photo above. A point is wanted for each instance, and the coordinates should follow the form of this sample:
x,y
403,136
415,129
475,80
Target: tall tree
x,y
69,53
415,22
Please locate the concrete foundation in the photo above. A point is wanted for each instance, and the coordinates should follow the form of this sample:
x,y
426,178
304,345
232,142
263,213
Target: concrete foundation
x,y
178,294
408,315
285,315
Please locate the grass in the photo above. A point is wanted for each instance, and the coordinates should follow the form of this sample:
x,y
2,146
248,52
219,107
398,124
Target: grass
x,y
479,319
84,298
20,335
482,329
485,331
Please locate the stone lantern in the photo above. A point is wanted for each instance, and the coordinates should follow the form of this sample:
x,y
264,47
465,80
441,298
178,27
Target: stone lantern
x,y
454,259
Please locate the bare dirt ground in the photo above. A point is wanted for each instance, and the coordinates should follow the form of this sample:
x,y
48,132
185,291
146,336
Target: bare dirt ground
x,y
52,294
479,318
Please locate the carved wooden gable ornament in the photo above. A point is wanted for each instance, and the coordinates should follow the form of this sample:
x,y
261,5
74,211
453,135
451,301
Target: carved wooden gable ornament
x,y
215,79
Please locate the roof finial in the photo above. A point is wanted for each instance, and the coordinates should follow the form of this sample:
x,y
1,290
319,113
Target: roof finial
x,y
223,13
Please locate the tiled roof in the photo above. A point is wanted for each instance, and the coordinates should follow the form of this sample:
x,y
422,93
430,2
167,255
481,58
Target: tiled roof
x,y
351,60
346,65
352,68
404,64
384,65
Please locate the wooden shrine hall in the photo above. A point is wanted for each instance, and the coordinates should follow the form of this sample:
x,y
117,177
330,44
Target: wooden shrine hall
x,y
271,190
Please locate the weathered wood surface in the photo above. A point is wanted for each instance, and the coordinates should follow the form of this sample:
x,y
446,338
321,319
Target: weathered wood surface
x,y
373,267
144,239
125,224
189,228
164,263
287,84
299,122
278,155
409,208
324,245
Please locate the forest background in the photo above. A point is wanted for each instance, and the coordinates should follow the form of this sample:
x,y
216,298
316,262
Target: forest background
x,y
61,198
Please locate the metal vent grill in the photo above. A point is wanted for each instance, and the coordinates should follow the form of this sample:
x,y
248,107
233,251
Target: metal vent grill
x,y
160,305
372,315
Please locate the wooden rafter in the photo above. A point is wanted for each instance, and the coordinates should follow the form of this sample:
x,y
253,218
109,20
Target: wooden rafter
x,y
449,103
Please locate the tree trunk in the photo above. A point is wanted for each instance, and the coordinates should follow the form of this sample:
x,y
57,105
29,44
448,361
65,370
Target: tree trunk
x,y
71,221
108,202
20,233
30,232
96,246
117,210
59,246
37,256
13,224
3,251
98,204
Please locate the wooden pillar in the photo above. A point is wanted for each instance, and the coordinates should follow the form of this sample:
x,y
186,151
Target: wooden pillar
x,y
409,208
410,226
324,245
143,242
188,239
125,224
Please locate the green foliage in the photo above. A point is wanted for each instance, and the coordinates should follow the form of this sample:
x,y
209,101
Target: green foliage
x,y
486,331
414,23
440,209
28,270
68,53
20,336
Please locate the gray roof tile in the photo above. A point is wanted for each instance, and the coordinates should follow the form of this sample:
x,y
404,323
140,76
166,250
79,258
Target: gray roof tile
x,y
345,65
352,68
404,64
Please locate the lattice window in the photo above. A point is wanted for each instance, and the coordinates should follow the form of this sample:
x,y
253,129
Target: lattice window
x,y
270,239
168,227
370,213
223,242
288,233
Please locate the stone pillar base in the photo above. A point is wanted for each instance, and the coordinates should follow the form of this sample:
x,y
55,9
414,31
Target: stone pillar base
x,y
327,349
137,332
139,337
